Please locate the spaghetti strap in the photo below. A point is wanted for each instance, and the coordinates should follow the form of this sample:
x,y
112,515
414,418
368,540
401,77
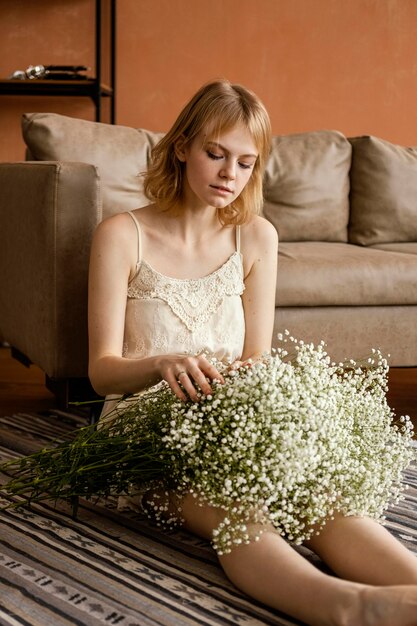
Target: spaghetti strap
x,y
238,238
138,229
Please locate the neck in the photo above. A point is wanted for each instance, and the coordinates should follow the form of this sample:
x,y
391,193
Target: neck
x,y
190,224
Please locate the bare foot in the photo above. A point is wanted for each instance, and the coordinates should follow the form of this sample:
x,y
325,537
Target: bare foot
x,y
386,606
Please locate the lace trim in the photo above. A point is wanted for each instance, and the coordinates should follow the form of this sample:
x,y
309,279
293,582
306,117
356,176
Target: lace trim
x,y
193,300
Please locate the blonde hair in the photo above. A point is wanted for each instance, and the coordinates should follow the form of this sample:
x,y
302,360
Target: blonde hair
x,y
217,107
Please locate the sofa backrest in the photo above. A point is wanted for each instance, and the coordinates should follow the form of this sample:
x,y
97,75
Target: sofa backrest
x,y
383,197
307,186
319,185
120,153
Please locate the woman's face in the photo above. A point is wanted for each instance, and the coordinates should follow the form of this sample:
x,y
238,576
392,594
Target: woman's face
x,y
217,169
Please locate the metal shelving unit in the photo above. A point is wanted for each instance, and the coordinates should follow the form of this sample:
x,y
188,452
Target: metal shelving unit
x,y
92,88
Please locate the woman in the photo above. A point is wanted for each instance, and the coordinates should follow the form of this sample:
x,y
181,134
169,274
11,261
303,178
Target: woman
x,y
194,273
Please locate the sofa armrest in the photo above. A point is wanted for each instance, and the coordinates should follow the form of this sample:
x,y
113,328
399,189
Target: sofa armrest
x,y
48,213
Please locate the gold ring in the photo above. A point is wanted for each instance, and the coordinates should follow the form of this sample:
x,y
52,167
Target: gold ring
x,y
181,373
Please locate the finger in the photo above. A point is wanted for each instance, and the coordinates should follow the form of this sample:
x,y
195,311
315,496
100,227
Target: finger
x,y
204,379
176,387
200,379
186,383
236,365
210,371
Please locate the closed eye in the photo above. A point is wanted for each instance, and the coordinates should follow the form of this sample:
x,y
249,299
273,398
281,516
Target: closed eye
x,y
213,156
217,157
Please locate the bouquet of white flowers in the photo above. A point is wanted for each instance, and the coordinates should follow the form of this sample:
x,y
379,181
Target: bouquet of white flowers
x,y
288,441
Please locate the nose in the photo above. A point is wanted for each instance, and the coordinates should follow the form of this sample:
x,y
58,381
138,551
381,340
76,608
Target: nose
x,y
228,170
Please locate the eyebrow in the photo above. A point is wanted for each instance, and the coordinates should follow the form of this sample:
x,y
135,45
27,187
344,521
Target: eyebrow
x,y
219,145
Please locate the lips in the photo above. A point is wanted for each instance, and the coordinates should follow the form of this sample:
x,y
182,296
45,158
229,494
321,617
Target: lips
x,y
220,188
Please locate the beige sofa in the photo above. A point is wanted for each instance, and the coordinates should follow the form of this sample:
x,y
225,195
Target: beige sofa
x,y
345,210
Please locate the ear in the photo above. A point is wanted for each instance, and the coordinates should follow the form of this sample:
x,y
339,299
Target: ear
x,y
179,149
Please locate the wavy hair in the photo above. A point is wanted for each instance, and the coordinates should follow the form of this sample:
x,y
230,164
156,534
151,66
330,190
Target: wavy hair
x,y
217,107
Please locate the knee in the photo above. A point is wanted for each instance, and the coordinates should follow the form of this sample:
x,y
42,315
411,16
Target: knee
x,y
166,508
200,518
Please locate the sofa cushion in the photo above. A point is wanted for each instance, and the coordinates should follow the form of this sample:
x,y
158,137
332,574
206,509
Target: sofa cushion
x,y
337,274
352,332
383,192
307,186
409,247
120,153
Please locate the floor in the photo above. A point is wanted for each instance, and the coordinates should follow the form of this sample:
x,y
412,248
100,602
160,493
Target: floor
x,y
23,389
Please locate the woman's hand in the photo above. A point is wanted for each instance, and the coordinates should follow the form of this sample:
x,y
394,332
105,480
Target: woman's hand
x,y
184,373
238,364
246,363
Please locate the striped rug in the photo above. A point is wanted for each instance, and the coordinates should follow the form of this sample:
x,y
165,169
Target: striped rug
x,y
111,567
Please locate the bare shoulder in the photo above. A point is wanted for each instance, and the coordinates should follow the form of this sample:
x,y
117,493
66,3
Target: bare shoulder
x,y
117,230
115,243
259,235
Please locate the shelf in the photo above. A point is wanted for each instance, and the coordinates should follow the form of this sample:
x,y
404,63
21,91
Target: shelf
x,y
89,87
35,87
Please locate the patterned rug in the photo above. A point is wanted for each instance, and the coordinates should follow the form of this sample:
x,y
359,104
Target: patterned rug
x,y
111,567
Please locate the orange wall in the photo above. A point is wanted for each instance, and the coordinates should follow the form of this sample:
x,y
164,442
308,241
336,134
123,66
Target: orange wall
x,y
349,65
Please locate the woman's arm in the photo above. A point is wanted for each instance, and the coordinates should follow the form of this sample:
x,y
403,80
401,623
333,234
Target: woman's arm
x,y
112,262
260,254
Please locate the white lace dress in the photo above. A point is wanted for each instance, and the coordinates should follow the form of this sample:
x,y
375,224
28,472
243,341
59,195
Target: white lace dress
x,y
170,315
167,315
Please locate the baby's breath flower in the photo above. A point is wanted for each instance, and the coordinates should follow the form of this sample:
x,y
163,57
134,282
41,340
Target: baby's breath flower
x,y
318,438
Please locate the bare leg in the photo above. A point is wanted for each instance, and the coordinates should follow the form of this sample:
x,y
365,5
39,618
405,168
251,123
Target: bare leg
x,y
361,550
271,571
